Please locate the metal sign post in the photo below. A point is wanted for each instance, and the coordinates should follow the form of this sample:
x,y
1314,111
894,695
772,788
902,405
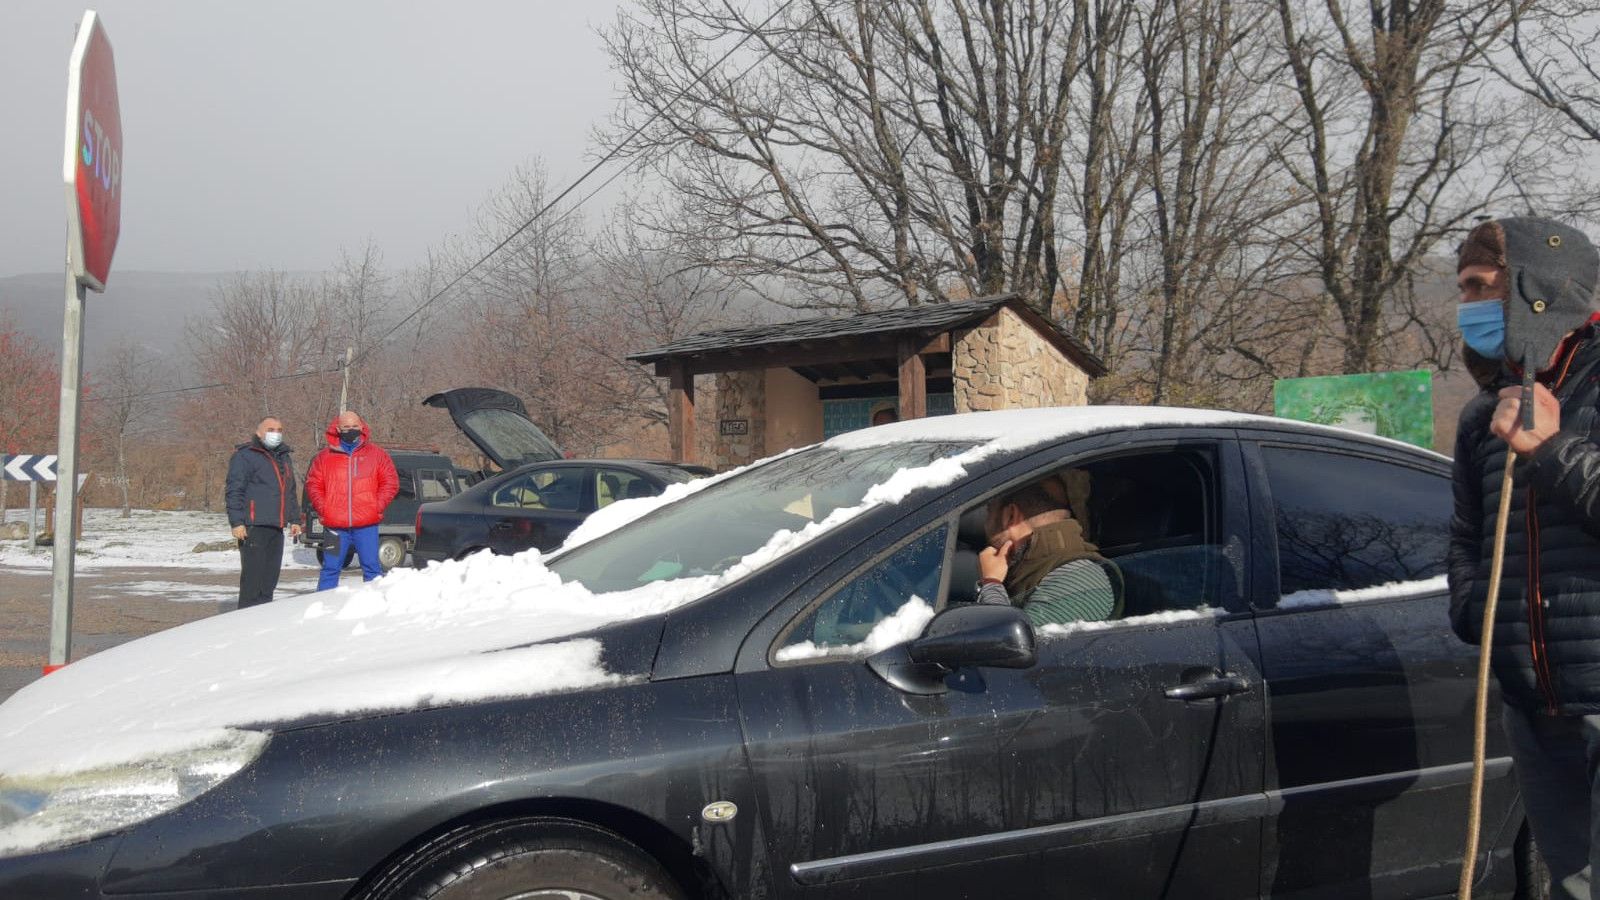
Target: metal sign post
x,y
33,517
93,175
64,541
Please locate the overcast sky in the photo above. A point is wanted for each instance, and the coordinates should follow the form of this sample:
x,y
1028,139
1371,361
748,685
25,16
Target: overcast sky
x,y
270,135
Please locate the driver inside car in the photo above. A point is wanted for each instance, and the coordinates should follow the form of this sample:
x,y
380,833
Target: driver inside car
x,y
1039,560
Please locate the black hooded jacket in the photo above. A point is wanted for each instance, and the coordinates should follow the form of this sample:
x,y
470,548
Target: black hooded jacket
x,y
261,489
1547,623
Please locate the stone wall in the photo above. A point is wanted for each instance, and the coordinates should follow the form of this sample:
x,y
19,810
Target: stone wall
x,y
740,395
1005,364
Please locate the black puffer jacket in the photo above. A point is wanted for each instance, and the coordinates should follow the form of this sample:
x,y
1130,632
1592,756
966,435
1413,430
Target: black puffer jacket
x,y
1547,623
261,489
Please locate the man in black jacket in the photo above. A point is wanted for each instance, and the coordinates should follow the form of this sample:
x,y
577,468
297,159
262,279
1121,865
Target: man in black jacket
x,y
262,502
1546,631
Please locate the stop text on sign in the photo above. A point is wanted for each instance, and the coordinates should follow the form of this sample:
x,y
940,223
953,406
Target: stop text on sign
x,y
100,156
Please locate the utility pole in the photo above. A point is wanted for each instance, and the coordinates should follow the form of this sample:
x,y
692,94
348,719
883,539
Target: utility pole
x,y
344,390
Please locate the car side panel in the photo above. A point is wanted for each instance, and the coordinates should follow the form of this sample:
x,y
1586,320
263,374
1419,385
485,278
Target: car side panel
x,y
1370,724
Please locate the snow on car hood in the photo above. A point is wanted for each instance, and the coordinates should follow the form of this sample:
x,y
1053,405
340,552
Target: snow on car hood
x,y
476,629
457,632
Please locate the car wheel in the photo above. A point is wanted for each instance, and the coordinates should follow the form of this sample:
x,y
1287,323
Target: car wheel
x,y
526,859
348,560
1533,876
391,552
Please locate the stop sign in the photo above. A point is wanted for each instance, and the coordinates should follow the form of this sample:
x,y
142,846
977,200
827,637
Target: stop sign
x,y
93,168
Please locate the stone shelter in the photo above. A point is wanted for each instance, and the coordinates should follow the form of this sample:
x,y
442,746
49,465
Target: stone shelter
x,y
795,383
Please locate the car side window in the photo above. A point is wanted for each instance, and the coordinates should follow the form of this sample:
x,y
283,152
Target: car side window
x,y
1349,522
611,485
1156,517
554,489
433,484
517,493
885,605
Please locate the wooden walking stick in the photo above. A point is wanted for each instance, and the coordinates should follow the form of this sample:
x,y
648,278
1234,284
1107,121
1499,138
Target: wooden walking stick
x,y
1480,722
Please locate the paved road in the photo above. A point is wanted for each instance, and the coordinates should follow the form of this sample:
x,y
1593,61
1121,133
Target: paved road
x,y
111,605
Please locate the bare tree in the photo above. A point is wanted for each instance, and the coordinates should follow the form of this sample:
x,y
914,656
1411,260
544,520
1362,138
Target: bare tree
x,y
860,154
1210,138
644,295
527,314
29,385
1395,145
127,407
1555,59
267,346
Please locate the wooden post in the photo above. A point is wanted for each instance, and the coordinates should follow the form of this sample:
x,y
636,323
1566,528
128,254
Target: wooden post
x,y
913,381
680,413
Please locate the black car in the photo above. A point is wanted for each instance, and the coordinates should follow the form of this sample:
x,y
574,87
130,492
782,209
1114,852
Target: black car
x,y
1282,710
536,506
493,419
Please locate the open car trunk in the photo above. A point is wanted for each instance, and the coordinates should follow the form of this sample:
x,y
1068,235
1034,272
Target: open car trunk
x,y
498,423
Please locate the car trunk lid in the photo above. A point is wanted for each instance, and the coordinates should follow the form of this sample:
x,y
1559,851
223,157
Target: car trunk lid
x,y
498,423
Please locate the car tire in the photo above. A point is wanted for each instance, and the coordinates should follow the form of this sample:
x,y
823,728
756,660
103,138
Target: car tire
x,y
1533,876
391,552
349,560
526,858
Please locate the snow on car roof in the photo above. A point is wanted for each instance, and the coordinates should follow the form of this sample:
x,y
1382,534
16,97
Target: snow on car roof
x,y
1013,429
461,631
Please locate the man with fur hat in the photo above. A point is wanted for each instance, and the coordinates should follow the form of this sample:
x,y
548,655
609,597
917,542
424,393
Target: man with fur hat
x,y
1526,296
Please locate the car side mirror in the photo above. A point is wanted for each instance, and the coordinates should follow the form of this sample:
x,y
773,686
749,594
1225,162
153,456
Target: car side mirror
x,y
966,635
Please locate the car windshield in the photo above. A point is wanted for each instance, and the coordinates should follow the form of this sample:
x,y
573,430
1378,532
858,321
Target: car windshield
x,y
706,532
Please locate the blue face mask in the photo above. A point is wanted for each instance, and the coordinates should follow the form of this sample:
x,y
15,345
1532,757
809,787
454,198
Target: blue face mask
x,y
272,439
1483,327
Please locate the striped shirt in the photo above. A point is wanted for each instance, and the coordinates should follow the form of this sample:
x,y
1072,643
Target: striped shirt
x,y
1077,591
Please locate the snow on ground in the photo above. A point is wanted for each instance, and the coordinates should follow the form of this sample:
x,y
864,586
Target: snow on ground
x,y
150,538
181,592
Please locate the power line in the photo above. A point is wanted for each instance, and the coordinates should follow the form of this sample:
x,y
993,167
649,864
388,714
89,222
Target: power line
x,y
204,387
610,155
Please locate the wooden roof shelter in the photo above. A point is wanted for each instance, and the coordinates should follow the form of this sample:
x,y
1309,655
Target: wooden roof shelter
x,y
904,342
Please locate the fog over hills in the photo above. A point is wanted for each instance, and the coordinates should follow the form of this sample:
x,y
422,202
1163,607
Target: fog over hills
x,y
146,308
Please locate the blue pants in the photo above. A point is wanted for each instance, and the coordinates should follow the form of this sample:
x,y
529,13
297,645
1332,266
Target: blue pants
x,y
363,542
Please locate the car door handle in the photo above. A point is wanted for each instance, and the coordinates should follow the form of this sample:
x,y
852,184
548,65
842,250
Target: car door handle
x,y
1209,687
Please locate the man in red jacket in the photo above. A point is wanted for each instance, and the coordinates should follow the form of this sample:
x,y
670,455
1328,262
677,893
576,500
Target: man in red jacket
x,y
350,483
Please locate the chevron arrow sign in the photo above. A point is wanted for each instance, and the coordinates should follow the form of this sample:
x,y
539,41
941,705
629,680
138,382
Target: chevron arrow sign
x,y
23,467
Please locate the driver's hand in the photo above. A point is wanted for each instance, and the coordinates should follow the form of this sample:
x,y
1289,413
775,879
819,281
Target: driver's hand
x,y
992,562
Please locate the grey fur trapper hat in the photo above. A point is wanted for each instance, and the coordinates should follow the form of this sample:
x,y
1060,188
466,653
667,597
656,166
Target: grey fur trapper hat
x,y
1553,271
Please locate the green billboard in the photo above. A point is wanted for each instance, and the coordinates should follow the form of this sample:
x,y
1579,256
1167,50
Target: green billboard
x,y
1395,405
